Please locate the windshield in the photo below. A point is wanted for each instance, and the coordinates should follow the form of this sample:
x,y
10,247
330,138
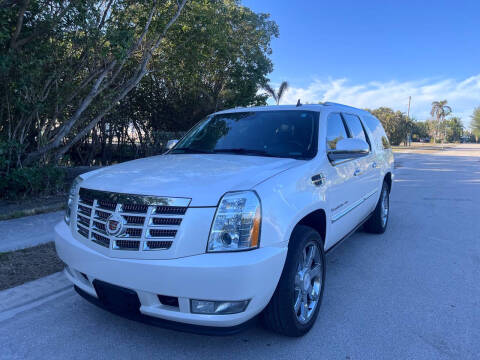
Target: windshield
x,y
292,134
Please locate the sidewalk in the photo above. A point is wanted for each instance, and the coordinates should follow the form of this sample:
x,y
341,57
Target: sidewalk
x,y
28,231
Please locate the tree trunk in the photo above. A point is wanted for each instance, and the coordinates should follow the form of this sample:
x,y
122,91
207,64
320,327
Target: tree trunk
x,y
100,86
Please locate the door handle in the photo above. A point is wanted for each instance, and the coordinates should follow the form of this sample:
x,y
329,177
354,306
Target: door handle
x,y
357,172
318,179
374,165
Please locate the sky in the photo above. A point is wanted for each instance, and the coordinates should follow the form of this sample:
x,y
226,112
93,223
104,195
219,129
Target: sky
x,y
372,53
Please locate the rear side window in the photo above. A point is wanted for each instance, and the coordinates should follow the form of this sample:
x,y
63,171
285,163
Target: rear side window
x,y
376,128
355,127
335,130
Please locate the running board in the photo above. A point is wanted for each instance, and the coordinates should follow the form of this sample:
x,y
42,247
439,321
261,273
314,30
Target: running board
x,y
349,234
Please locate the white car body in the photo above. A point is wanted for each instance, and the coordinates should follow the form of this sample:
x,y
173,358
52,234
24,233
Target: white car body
x,y
345,195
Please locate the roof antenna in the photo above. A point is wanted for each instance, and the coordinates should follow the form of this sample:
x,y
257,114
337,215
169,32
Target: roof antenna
x,y
299,103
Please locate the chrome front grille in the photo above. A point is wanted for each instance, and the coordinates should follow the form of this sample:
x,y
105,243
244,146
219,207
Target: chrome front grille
x,y
147,223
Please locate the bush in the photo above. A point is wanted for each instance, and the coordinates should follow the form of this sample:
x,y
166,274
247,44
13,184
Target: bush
x,y
32,181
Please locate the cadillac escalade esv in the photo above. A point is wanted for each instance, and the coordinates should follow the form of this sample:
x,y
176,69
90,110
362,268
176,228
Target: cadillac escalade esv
x,y
233,221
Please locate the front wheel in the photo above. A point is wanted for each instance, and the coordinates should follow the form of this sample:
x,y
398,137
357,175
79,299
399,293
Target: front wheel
x,y
377,223
294,306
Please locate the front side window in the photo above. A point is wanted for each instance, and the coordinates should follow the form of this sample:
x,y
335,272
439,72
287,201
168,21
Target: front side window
x,y
284,133
335,130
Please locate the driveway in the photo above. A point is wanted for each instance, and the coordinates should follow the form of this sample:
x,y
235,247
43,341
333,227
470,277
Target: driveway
x,y
413,292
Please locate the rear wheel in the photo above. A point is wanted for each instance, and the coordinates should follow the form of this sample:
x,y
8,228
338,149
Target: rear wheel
x,y
378,222
294,306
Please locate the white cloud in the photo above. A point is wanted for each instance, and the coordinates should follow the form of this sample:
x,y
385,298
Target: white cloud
x,y
463,96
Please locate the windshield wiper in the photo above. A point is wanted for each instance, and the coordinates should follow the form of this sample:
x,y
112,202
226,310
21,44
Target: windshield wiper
x,y
187,150
242,151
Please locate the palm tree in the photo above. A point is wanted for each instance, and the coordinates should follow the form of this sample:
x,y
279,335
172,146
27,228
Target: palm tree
x,y
475,124
440,110
277,96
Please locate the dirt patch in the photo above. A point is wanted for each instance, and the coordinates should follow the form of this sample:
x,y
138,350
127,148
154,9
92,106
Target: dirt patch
x,y
18,267
419,150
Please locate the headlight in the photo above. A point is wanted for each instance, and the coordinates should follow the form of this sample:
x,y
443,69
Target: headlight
x,y
71,198
236,225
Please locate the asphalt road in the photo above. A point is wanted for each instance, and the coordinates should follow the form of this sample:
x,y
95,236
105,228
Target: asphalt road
x,y
411,293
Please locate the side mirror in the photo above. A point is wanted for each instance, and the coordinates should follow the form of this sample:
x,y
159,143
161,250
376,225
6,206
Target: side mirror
x,y
348,149
171,143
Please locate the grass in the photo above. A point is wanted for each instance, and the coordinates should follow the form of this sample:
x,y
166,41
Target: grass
x,y
20,266
31,206
422,147
34,211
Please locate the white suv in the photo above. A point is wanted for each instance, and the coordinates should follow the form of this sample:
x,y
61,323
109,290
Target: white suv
x,y
233,221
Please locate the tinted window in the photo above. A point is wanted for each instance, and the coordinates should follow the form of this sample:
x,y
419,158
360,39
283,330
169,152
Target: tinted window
x,y
355,127
376,128
335,131
264,133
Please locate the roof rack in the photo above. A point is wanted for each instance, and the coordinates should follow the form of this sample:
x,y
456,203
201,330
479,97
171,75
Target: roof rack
x,y
329,103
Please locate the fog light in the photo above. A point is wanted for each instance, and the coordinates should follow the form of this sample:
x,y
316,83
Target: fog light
x,y
217,307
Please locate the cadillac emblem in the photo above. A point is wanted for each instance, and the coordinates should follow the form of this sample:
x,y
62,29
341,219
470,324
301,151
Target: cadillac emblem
x,y
115,225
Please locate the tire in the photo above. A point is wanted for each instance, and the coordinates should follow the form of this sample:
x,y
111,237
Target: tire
x,y
377,224
285,313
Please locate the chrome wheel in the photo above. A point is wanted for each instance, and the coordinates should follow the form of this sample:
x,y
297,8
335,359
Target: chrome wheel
x,y
308,282
384,207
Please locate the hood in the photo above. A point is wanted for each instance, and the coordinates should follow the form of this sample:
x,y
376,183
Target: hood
x,y
202,177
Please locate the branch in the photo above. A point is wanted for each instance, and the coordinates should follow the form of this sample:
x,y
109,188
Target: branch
x,y
36,32
18,27
133,48
126,89
169,24
104,16
65,129
96,89
7,3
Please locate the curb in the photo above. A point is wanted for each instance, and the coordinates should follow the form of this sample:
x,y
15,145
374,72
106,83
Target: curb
x,y
33,211
32,294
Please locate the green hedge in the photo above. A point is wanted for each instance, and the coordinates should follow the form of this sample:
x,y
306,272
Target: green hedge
x,y
26,182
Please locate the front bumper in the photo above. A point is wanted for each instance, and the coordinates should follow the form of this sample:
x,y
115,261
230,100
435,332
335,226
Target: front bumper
x,y
250,275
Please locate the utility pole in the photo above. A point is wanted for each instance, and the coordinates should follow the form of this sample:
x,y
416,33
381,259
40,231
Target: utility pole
x,y
408,118
408,111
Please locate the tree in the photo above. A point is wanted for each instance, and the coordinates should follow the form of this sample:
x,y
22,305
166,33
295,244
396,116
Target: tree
x,y
420,130
74,61
86,74
222,65
277,96
475,125
395,123
439,111
468,136
215,57
454,129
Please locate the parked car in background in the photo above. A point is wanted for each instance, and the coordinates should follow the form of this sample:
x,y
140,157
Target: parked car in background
x,y
233,221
